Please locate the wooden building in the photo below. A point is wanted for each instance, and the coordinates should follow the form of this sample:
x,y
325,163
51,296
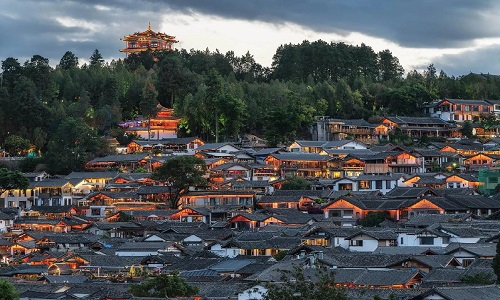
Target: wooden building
x,y
149,39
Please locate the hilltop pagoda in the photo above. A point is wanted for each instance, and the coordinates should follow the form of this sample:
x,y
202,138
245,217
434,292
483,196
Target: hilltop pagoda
x,y
141,41
163,125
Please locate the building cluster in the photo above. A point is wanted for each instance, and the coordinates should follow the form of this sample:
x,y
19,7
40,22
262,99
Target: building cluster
x,y
390,221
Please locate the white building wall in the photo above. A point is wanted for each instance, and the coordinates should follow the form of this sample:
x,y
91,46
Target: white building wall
x,y
136,253
257,292
369,244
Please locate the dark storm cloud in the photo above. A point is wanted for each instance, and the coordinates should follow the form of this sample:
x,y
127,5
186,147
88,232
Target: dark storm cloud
x,y
484,60
30,27
419,23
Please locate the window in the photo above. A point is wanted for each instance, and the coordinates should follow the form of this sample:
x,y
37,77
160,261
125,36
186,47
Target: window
x,y
345,187
348,212
335,213
364,184
426,240
388,184
378,184
401,242
467,262
356,243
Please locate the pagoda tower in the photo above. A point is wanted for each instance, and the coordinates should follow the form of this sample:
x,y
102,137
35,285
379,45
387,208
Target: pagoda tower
x,y
142,41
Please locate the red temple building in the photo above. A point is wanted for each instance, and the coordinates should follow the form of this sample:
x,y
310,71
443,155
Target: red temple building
x,y
163,126
141,41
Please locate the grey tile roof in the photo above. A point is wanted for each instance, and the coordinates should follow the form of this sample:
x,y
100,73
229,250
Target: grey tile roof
x,y
120,158
231,265
424,220
91,175
378,234
363,260
479,249
370,277
467,101
50,183
409,192
407,250
213,146
463,292
444,275
405,121
301,156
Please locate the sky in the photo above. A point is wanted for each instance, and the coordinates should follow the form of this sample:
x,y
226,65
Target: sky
x,y
457,36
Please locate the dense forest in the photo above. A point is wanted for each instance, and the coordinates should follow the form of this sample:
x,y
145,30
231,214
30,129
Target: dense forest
x,y
66,112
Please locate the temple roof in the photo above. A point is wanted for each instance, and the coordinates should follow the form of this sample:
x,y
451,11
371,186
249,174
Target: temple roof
x,y
148,35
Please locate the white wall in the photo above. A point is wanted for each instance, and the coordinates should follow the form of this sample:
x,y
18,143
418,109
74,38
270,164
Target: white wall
x,y
257,292
369,244
225,252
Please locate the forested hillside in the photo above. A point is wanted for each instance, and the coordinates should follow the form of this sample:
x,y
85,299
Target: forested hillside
x,y
64,112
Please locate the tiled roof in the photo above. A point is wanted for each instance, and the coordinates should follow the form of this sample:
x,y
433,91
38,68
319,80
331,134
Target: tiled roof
x,y
462,292
301,156
88,175
465,101
479,249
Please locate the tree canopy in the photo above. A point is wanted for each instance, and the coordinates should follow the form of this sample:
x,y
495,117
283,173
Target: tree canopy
x,y
163,286
295,285
10,180
179,173
221,96
296,183
7,291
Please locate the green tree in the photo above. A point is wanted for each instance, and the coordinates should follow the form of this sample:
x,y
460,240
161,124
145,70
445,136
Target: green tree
x,y
296,183
149,103
179,173
10,180
389,66
496,263
467,129
96,59
295,285
170,79
39,139
373,219
16,145
68,61
11,70
38,70
486,121
213,99
7,291
478,278
164,286
73,144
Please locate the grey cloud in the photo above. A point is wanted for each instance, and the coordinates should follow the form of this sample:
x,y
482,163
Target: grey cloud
x,y
415,23
422,23
484,60
26,32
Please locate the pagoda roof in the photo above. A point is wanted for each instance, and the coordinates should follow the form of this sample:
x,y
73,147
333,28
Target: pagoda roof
x,y
148,35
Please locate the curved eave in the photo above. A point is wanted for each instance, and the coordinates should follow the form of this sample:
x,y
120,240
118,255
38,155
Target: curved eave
x,y
148,36
142,49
